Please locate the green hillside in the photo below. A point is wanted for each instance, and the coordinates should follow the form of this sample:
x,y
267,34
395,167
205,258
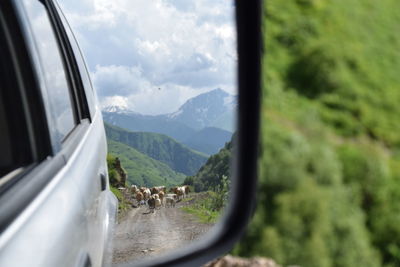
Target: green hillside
x,y
141,169
210,174
160,147
329,180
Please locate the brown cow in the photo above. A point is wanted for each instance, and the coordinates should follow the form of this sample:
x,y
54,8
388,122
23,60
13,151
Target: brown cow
x,y
139,197
154,190
142,188
173,189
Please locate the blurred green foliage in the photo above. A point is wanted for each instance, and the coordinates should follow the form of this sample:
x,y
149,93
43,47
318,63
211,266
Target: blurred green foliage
x,y
329,170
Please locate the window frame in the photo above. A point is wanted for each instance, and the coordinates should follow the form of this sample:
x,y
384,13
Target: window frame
x,y
70,64
77,91
76,51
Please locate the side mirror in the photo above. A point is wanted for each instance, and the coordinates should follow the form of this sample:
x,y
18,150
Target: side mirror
x,y
244,168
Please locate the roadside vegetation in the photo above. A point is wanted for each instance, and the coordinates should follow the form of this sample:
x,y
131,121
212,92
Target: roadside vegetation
x,y
117,177
123,204
209,205
329,177
212,179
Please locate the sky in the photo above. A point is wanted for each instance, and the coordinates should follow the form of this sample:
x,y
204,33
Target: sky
x,y
150,56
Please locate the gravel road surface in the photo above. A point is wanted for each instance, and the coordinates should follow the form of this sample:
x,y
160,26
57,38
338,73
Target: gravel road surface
x,y
142,234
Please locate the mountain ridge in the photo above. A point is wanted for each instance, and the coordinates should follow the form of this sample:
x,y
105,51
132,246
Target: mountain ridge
x,y
198,112
141,169
159,147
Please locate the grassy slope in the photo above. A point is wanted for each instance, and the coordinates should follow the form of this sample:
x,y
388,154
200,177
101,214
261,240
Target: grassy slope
x,y
330,168
143,170
160,147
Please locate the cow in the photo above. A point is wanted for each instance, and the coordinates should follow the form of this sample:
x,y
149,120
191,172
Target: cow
x,y
154,190
139,197
146,194
162,188
170,202
142,188
161,196
134,189
180,192
174,196
157,204
151,203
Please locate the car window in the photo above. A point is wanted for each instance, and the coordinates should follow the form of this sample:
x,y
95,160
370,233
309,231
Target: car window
x,y
80,62
57,90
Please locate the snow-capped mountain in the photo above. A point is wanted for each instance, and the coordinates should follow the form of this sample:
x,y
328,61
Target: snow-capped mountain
x,y
118,110
215,108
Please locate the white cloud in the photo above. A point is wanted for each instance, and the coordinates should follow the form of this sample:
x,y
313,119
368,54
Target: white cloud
x,y
118,80
134,46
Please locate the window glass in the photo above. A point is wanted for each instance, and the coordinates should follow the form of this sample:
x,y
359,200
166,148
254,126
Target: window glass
x,y
81,64
57,90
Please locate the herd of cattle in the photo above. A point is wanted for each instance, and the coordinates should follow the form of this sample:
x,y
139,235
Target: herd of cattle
x,y
157,196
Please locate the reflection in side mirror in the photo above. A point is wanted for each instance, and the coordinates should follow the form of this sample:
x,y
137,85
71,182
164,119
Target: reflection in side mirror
x,y
165,72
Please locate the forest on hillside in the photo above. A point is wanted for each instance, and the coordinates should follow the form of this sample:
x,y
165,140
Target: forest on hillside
x,y
329,170
210,175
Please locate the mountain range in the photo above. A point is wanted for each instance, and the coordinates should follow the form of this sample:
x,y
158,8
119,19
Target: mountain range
x,y
204,123
206,110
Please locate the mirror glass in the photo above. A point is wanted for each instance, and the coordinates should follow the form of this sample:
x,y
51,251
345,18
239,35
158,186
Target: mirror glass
x,y
165,75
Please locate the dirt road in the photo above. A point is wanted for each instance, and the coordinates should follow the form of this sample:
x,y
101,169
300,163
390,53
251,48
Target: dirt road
x,y
141,234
